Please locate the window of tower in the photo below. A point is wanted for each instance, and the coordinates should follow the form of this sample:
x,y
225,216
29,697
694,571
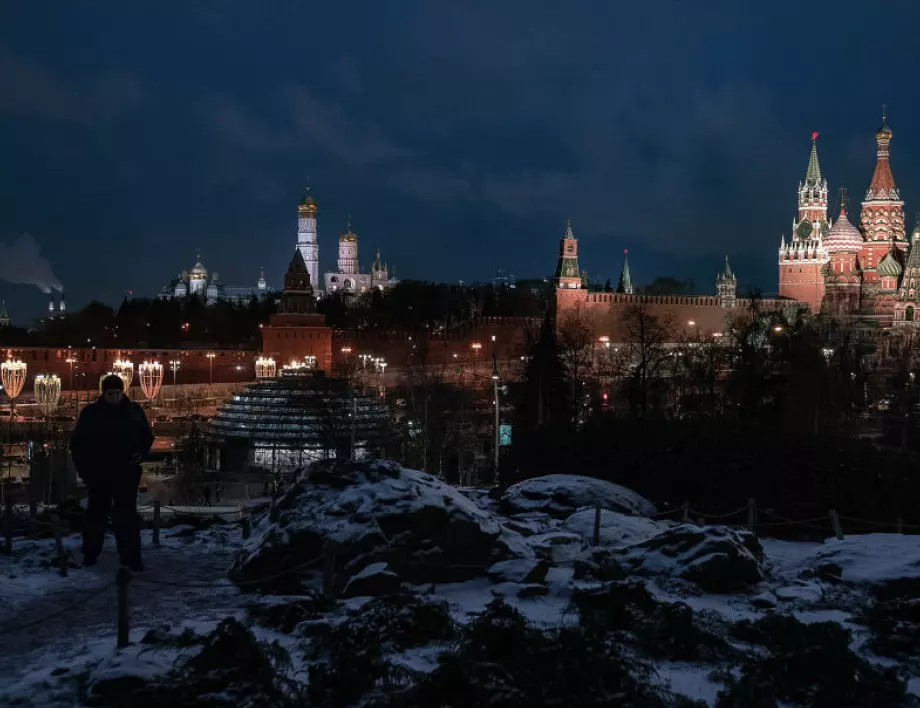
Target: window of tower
x,y
909,314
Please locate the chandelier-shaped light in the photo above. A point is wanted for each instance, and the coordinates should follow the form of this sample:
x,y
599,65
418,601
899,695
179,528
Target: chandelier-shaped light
x,y
265,368
151,375
13,376
48,392
124,369
310,361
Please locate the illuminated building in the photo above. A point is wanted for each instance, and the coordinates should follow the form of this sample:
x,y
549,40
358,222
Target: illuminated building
x,y
198,282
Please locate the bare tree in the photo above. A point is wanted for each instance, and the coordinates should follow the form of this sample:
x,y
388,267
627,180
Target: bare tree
x,y
577,351
645,359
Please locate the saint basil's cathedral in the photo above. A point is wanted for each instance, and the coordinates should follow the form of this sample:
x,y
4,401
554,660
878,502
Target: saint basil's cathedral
x,y
867,275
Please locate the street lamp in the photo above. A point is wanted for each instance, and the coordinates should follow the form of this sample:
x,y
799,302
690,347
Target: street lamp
x,y
265,368
211,356
174,366
124,370
70,360
48,392
13,377
497,480
151,374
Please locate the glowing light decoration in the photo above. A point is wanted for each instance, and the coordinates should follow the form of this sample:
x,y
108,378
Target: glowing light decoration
x,y
151,375
124,370
265,368
13,376
310,361
48,392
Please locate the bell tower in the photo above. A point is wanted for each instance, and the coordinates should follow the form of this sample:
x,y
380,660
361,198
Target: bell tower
x,y
307,242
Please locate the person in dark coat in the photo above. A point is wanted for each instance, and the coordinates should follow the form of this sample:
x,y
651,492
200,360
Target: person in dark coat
x,y
108,443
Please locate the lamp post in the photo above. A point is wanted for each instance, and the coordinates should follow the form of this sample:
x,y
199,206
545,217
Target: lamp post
x,y
265,368
124,369
497,478
174,366
70,360
151,379
211,356
48,392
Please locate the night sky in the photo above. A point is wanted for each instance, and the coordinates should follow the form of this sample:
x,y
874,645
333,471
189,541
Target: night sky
x,y
459,135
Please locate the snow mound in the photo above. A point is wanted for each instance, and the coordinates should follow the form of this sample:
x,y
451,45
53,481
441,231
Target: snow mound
x,y
616,529
715,558
373,512
563,494
868,559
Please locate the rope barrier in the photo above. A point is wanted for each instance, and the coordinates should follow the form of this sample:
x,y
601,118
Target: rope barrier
x,y
89,596
886,524
718,516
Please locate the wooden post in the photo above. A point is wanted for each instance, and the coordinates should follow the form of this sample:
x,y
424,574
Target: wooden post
x,y
8,519
124,575
33,519
156,524
752,508
685,513
59,543
597,524
329,570
900,524
835,524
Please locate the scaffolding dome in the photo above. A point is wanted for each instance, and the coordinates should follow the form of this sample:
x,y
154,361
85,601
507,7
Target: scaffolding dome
x,y
299,417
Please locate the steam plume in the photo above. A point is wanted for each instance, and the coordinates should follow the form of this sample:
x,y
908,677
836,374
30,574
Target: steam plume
x,y
21,262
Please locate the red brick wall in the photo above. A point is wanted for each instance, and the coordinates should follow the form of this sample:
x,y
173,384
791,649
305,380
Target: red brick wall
x,y
803,282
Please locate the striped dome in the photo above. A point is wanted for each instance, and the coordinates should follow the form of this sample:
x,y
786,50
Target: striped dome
x,y
843,237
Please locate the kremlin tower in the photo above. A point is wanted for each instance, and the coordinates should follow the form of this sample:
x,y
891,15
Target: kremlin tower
x,y
624,284
802,258
567,273
306,236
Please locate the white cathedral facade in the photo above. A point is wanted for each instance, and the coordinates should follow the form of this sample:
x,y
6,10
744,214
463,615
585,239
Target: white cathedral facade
x,y
198,282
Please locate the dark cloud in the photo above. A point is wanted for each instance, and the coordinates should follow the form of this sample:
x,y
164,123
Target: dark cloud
x,y
31,91
450,130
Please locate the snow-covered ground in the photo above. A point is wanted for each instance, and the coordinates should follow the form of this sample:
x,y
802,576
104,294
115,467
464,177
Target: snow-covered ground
x,y
71,620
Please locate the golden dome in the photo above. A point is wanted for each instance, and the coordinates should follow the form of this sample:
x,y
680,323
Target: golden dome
x,y
307,206
349,236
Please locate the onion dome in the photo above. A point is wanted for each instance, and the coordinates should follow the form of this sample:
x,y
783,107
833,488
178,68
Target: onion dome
x,y
843,237
349,236
198,271
884,131
307,206
889,267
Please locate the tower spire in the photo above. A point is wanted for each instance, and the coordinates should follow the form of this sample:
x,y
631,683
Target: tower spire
x,y
813,173
624,284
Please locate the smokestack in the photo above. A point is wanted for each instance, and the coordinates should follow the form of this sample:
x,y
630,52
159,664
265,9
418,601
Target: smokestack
x,y
61,302
51,302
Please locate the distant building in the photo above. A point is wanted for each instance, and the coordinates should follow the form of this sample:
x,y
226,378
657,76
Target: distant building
x,y
504,279
348,277
196,281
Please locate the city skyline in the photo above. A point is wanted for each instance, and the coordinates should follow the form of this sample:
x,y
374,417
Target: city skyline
x,y
122,164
